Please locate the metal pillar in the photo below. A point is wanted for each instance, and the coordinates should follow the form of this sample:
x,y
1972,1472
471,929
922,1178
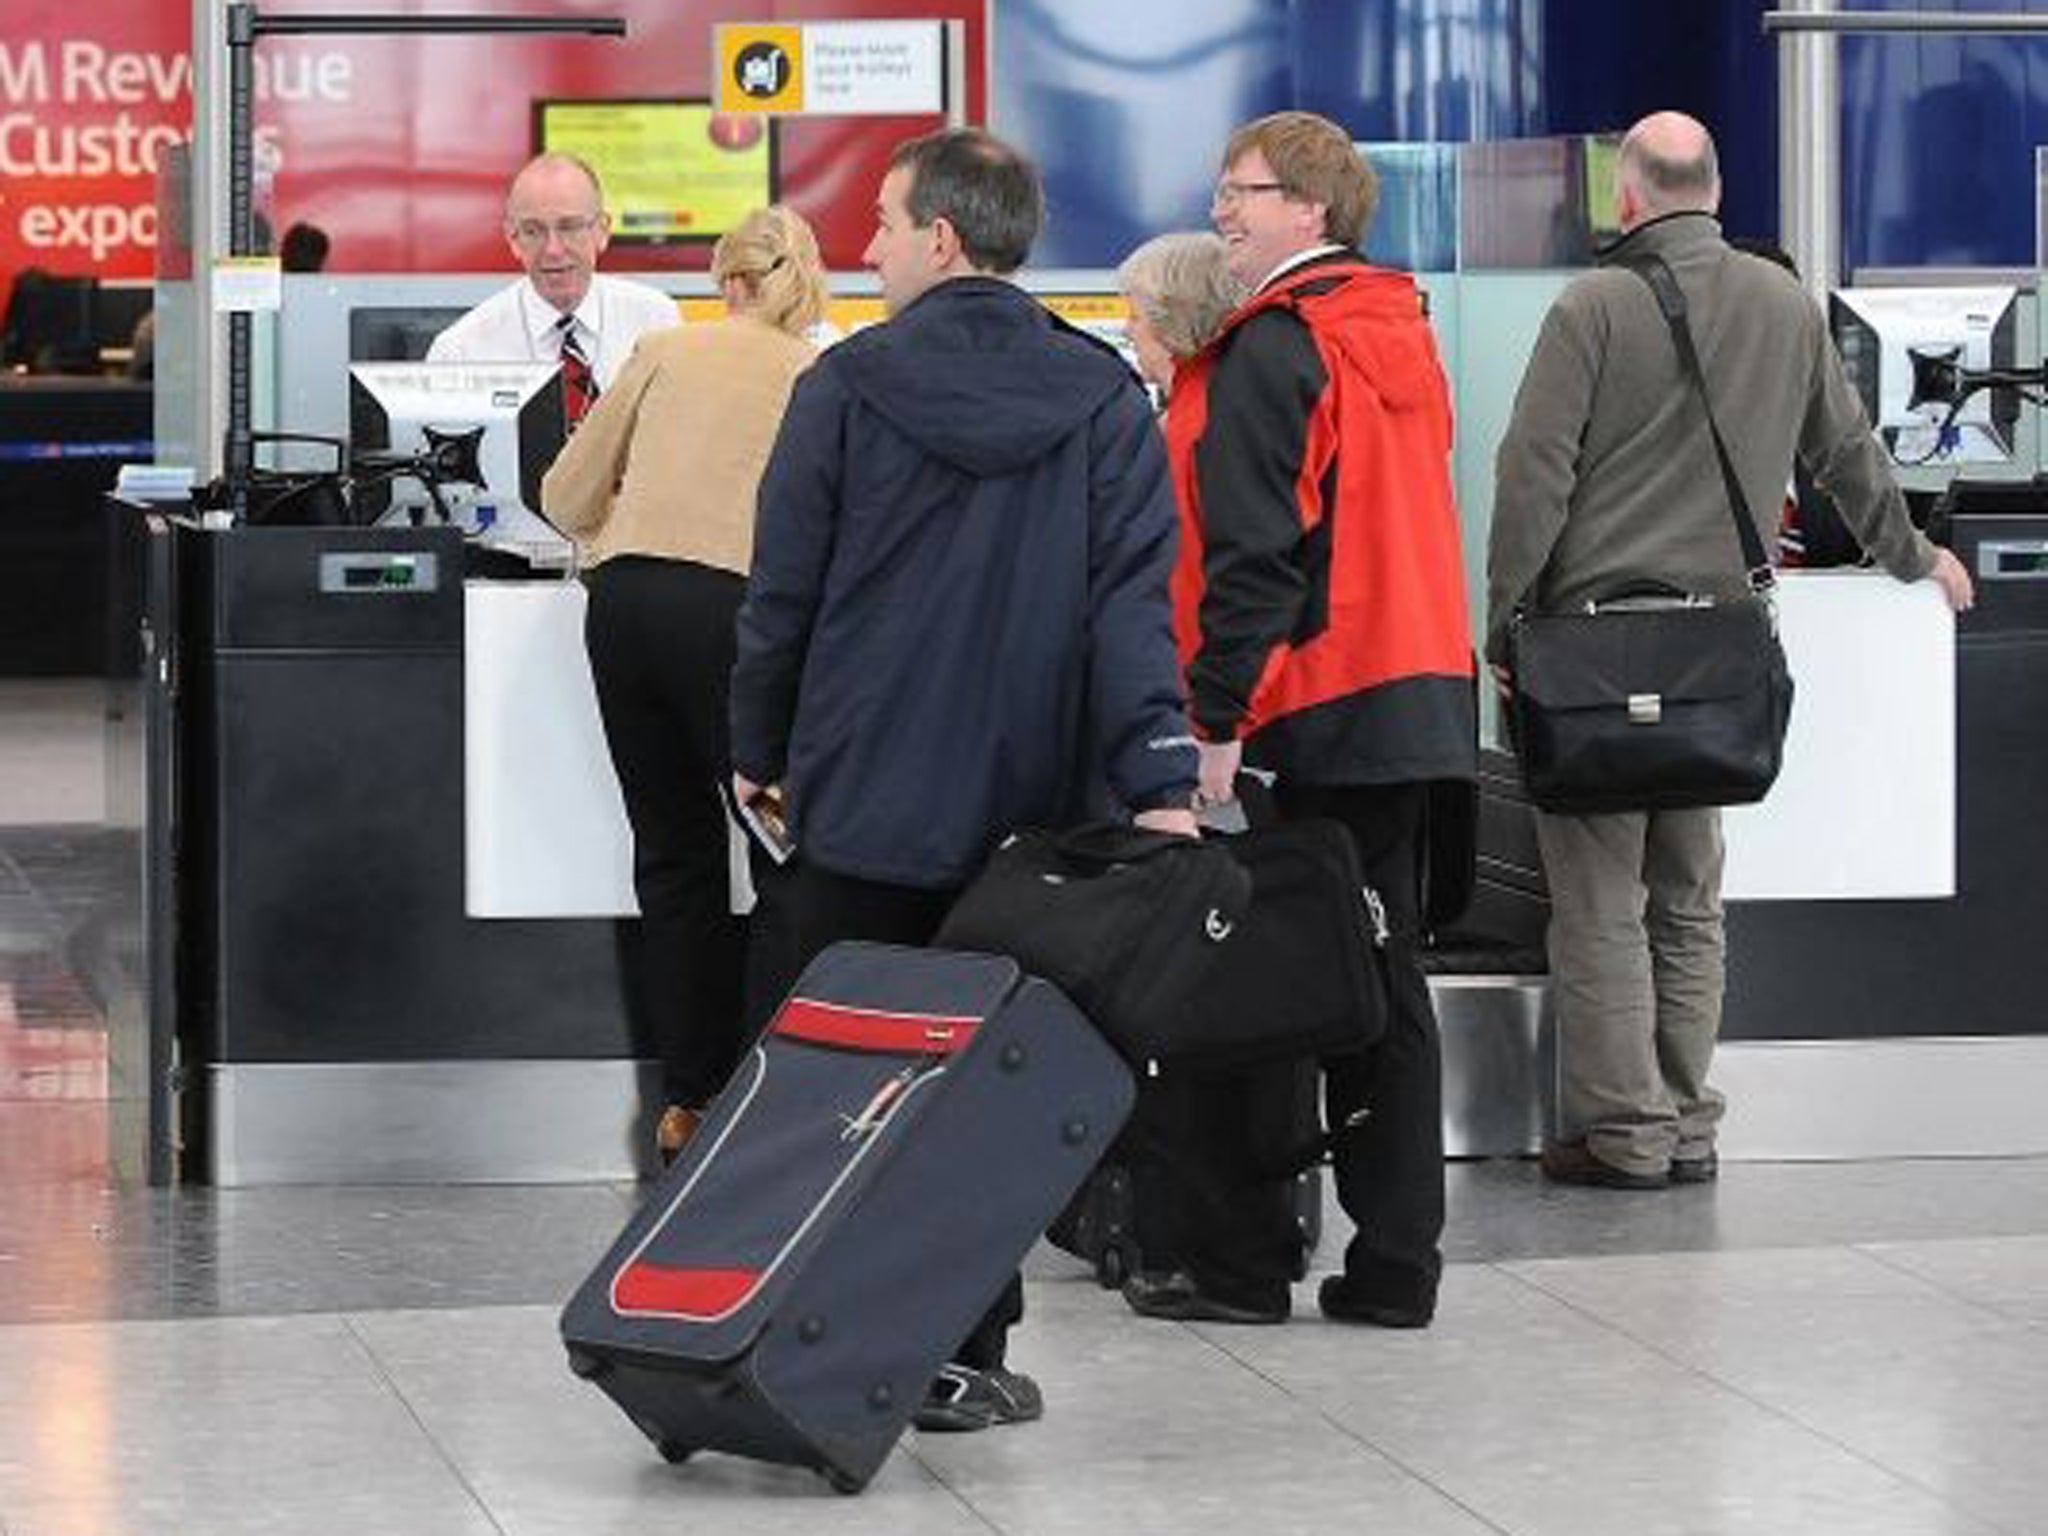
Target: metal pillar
x,y
1810,117
240,25
1810,151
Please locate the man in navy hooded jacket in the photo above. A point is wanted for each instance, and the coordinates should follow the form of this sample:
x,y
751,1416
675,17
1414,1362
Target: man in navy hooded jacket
x,y
958,620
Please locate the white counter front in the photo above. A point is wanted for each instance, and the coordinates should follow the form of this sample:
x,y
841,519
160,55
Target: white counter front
x,y
1865,807
546,827
1866,804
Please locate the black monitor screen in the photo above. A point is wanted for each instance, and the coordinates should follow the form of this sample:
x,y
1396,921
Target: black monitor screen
x,y
395,333
117,308
50,324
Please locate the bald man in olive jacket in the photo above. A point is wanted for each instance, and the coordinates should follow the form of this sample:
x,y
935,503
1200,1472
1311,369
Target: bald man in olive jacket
x,y
1607,479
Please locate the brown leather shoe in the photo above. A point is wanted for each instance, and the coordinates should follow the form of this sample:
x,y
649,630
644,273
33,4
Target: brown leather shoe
x,y
678,1124
1573,1162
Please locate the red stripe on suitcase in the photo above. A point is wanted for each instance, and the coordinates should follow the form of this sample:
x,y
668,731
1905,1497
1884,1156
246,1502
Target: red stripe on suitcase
x,y
870,1029
707,1293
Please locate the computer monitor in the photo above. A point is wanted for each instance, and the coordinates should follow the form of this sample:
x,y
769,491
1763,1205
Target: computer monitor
x,y
397,333
117,308
49,325
465,441
1878,331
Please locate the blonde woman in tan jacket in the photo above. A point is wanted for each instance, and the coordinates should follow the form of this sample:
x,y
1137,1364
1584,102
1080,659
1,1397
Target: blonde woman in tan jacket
x,y
657,487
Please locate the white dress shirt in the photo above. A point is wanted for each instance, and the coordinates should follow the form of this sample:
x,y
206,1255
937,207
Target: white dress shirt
x,y
1298,259
517,325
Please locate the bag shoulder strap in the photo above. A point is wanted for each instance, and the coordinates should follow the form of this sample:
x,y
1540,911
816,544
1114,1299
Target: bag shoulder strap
x,y
1653,270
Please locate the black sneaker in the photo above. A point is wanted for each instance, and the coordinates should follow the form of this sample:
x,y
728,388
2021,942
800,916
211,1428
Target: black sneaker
x,y
962,1398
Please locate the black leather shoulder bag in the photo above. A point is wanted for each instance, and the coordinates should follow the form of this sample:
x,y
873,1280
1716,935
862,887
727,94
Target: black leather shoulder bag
x,y
1655,700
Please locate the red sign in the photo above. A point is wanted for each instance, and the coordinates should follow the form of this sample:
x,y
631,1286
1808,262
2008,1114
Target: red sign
x,y
398,147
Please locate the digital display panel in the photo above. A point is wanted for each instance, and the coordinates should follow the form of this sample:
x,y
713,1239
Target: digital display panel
x,y
671,170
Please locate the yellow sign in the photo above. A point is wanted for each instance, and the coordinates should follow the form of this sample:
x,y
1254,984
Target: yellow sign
x,y
847,313
759,68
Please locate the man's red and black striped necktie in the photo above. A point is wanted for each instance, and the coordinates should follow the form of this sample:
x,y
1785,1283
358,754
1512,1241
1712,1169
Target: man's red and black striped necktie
x,y
579,384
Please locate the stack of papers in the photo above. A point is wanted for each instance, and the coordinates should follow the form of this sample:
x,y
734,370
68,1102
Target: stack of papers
x,y
154,482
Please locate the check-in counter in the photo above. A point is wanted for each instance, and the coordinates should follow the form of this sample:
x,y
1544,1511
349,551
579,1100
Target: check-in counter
x,y
402,847
62,441
1888,980
342,1015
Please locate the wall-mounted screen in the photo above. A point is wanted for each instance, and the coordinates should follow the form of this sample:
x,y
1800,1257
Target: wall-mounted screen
x,y
672,170
1877,331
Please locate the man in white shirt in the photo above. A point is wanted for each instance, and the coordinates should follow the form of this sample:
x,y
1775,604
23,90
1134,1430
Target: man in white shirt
x,y
564,308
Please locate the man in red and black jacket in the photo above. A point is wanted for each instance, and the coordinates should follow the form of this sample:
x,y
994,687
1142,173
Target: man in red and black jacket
x,y
1321,616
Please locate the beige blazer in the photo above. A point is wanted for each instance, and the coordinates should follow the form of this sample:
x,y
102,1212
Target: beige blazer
x,y
668,461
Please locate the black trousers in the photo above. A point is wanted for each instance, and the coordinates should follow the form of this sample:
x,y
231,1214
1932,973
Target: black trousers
x,y
1229,1219
812,909
660,638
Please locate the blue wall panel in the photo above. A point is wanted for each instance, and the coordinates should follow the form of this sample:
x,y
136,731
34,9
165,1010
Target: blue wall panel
x,y
1128,104
1938,137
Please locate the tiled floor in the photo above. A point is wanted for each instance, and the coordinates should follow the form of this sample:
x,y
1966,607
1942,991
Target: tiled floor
x,y
1801,1350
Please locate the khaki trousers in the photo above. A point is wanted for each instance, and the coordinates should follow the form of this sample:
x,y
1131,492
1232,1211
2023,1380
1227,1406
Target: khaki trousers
x,y
1636,953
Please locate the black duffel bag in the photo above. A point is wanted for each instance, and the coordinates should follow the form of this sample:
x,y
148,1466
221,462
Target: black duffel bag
x,y
1253,947
1127,922
1649,703
1303,974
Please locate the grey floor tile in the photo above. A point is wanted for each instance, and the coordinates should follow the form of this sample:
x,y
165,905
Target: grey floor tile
x,y
2007,1274
1150,1428
52,746
1942,1389
1504,1210
241,1427
74,1252
547,1453
1546,1422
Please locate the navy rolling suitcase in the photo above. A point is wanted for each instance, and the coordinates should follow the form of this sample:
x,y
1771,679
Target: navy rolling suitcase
x,y
854,1201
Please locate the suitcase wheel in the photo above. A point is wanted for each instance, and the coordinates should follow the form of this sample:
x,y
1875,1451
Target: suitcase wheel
x,y
1112,1268
586,1365
674,1452
844,1482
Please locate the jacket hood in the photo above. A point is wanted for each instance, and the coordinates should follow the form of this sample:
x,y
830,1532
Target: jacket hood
x,y
981,375
1374,317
